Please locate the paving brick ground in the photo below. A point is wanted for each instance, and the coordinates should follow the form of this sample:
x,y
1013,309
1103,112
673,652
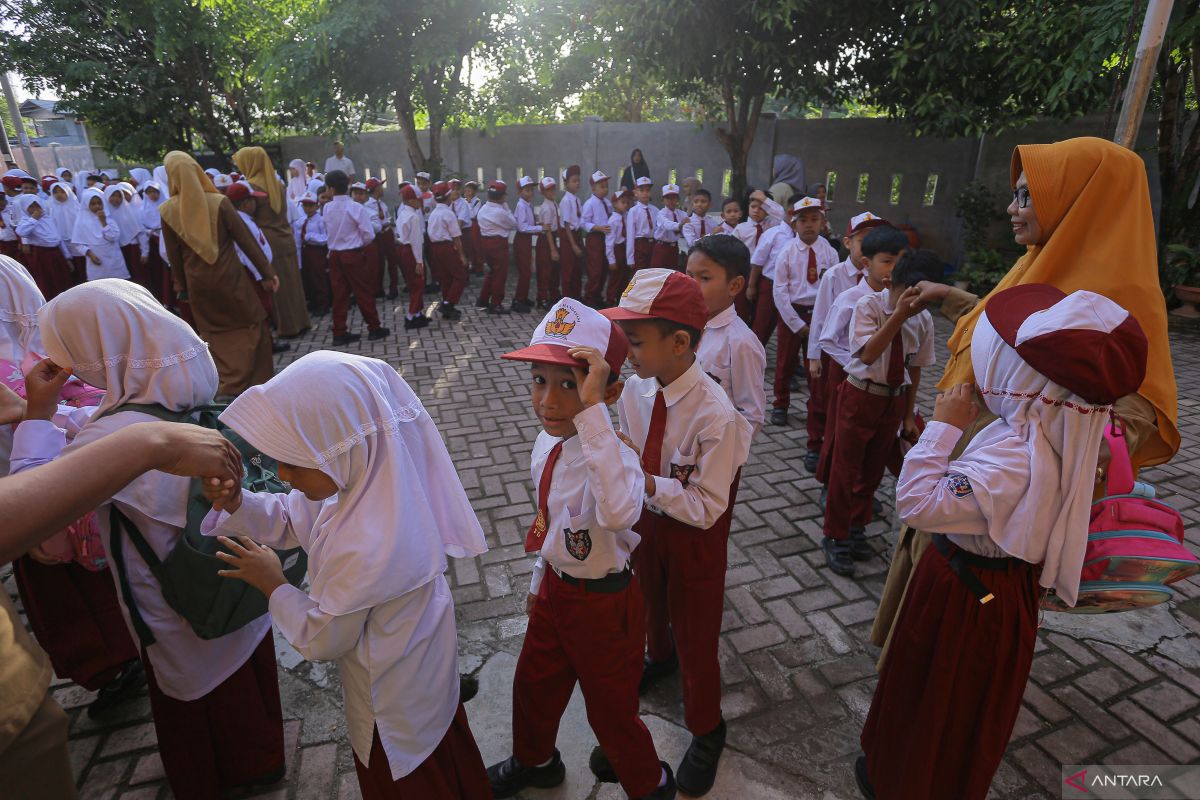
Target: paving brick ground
x,y
797,668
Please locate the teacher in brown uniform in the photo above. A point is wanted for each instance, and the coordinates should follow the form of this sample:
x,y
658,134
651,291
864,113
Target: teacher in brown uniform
x,y
271,215
200,228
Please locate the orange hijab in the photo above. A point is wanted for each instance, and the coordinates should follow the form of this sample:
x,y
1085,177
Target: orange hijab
x,y
193,206
1093,203
255,166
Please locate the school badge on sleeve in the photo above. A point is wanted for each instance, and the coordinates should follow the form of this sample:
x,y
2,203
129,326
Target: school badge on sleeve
x,y
958,484
682,472
578,543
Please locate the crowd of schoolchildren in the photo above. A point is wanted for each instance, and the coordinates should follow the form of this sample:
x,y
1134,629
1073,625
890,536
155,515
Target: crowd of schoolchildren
x,y
632,520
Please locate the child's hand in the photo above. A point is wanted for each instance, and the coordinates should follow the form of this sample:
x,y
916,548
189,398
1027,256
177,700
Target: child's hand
x,y
225,495
751,291
43,384
530,599
92,257
909,431
592,382
909,303
254,563
629,443
814,367
270,284
12,407
602,228
36,213
932,292
956,406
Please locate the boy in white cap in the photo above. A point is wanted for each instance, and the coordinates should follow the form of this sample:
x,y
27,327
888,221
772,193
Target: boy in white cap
x,y
446,256
496,222
794,291
594,224
615,250
527,228
760,291
668,225
425,184
586,624
639,227
473,202
410,252
570,251
693,443
548,287
700,222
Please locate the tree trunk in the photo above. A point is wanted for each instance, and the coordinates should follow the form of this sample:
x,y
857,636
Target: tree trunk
x,y
1178,152
742,115
408,127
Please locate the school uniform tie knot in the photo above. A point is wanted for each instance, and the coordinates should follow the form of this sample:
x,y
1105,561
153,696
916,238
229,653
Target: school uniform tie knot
x,y
537,531
652,451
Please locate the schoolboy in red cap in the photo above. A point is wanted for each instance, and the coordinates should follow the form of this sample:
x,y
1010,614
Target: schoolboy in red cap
x,y
571,255
496,222
312,240
668,225
527,228
615,250
549,289
692,442
584,604
410,245
384,238
465,215
594,223
244,197
446,255
350,231
472,200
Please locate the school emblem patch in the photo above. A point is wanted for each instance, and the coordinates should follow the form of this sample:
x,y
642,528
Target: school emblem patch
x,y
559,326
682,472
579,543
629,288
958,484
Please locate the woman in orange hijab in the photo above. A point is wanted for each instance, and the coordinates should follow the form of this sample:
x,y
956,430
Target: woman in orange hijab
x,y
1082,208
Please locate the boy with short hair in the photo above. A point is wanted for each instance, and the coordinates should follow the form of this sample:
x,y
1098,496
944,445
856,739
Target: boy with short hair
x,y
763,214
794,290
350,231
693,443
731,354
700,223
410,250
584,603
384,238
549,288
570,253
763,259
614,247
639,224
668,227
446,255
496,222
890,338
731,216
425,184
594,224
527,228
312,242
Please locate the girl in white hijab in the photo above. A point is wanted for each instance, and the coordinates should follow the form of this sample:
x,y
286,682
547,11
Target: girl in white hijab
x,y
297,183
160,177
47,251
64,210
378,506
134,242
156,268
98,237
1012,516
115,336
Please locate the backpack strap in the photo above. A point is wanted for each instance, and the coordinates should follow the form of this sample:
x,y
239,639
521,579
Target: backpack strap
x,y
116,523
1120,468
153,409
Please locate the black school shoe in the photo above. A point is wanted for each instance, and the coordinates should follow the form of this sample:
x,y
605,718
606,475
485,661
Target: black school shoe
x,y
496,308
837,556
667,791
863,779
522,306
447,310
604,772
280,347
413,323
779,416
346,338
393,294
654,671
120,689
698,771
379,333
810,460
509,777
433,288
859,549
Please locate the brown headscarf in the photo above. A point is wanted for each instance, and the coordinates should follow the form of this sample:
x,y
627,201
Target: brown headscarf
x,y
191,210
255,166
1093,203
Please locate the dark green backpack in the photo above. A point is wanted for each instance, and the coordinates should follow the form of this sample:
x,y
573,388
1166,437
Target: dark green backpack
x,y
214,606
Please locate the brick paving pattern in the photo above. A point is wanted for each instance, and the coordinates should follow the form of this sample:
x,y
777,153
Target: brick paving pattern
x,y
797,667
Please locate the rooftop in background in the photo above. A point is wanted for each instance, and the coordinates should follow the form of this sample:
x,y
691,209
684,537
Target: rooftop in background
x,y
54,123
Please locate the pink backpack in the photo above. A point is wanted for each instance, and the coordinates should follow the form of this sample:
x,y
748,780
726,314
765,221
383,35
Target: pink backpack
x,y
80,541
1135,544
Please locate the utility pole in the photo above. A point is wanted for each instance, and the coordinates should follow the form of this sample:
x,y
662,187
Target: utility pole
x,y
1141,75
15,112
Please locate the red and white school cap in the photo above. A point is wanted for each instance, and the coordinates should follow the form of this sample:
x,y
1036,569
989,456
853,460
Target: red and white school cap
x,y
17,172
548,182
358,185
454,182
862,222
308,197
662,293
1082,341
624,191
423,175
241,190
408,192
807,204
373,184
569,324
498,186
643,181
222,181
12,181
670,189
440,189
597,177
526,180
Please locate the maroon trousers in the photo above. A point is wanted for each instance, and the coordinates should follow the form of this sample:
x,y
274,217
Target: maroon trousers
x,y
75,615
468,244
664,255
476,254
453,771
136,267
384,249
834,376
595,640
597,268
682,573
765,315
618,276
414,278
453,271
548,287
866,432
523,255
229,737
158,274
50,270
818,400
643,254
787,357
349,273
495,255
79,275
12,249
951,687
314,259
570,265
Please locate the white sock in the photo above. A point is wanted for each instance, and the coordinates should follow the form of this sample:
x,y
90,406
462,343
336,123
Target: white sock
x,y
546,763
663,780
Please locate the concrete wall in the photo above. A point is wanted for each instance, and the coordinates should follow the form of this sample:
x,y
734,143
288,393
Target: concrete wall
x,y
49,159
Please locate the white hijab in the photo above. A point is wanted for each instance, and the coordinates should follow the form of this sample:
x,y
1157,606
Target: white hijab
x,y
160,177
88,232
116,336
1033,470
123,215
148,213
141,175
64,213
20,300
296,185
400,507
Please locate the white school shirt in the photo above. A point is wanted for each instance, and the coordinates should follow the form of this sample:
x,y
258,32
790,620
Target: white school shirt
x,y
595,499
548,214
9,232
596,211
734,357
704,444
570,211
834,334
443,225
792,287
870,312
344,164
697,226
834,281
398,661
668,224
462,210
615,238
42,233
348,224
186,667
112,261
766,255
524,217
314,231
639,223
751,233
379,213
409,231
474,204
496,220
257,233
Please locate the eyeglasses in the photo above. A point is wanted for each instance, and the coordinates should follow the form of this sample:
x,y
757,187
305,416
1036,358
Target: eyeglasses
x,y
1021,195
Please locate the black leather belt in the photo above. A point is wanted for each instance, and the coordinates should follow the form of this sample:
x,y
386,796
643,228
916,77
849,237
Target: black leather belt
x,y
611,583
961,559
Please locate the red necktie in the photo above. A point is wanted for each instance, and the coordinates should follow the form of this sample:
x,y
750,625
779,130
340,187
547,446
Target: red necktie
x,y
895,367
649,221
607,211
812,265
652,452
858,276
702,228
303,229
380,207
757,231
537,531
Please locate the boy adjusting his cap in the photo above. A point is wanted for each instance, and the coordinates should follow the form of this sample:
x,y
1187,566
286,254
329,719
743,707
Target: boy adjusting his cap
x,y
693,443
586,619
